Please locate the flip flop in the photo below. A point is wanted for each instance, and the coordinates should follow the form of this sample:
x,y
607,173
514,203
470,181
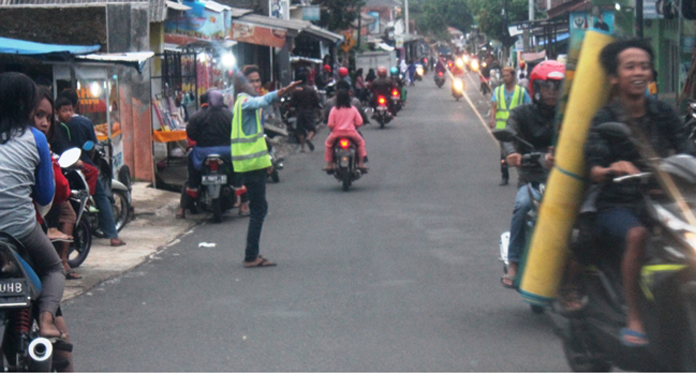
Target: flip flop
x,y
72,275
259,262
511,285
626,332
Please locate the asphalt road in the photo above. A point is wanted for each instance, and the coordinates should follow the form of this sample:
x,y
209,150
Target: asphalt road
x,y
398,274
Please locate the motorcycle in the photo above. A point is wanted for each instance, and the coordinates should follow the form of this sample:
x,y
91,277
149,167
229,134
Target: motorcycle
x,y
82,204
345,160
419,72
119,191
533,160
440,79
396,102
591,339
217,192
381,112
23,349
474,66
276,162
457,88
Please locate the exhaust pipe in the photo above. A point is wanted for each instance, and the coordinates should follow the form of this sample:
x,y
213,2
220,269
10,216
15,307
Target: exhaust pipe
x,y
41,355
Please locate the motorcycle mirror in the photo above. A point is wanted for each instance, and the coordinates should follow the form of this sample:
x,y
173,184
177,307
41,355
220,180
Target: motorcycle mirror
x,y
69,157
88,145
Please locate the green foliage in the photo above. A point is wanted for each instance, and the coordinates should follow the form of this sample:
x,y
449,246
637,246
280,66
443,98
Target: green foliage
x,y
337,15
489,17
436,15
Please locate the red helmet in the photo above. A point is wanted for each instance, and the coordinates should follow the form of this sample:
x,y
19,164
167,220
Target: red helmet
x,y
343,72
382,72
522,64
327,68
545,71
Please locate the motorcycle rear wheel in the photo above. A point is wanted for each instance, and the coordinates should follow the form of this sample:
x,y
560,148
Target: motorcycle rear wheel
x,y
579,355
121,209
81,245
217,210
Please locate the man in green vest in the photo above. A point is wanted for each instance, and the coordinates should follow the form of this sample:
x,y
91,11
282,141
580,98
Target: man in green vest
x,y
504,99
250,157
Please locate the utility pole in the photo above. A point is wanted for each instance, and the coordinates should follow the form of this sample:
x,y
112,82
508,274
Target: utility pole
x,y
406,17
639,19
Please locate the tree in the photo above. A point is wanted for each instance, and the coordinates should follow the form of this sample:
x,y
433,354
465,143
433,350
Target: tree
x,y
337,15
489,17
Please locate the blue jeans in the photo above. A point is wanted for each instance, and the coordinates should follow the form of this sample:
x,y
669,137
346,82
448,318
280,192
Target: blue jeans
x,y
518,237
255,182
107,224
613,226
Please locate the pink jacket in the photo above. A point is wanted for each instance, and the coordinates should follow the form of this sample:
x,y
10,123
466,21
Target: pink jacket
x,y
344,119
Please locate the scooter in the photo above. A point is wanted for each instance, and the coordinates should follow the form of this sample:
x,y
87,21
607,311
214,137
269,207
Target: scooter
x,y
396,102
439,79
591,338
345,160
217,192
457,88
381,112
121,203
533,160
419,72
80,202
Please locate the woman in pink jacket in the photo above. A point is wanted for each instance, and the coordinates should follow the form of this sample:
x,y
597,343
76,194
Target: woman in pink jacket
x,y
344,119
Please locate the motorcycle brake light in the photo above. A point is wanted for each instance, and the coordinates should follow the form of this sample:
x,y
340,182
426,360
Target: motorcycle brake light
x,y
395,93
381,100
440,73
344,144
213,165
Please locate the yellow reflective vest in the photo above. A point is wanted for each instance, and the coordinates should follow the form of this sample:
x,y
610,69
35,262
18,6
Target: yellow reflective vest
x,y
502,112
249,152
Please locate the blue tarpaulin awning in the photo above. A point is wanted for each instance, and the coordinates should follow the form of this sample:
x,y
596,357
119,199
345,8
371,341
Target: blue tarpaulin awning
x,y
561,37
30,48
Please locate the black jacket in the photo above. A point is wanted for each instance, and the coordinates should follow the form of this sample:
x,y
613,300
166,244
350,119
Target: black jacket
x,y
533,123
667,135
210,127
383,86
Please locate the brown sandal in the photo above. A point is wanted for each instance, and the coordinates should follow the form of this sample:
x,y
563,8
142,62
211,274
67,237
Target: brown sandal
x,y
259,262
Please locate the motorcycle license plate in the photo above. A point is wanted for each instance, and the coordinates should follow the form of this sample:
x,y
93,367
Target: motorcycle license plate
x,y
214,180
13,287
381,108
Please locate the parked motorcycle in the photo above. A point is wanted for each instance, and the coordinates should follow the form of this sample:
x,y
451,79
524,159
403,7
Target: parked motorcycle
x,y
83,206
591,338
276,162
120,192
457,88
381,112
345,162
439,79
23,350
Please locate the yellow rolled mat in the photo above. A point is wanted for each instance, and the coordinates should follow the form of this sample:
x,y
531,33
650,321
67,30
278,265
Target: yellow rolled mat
x,y
548,251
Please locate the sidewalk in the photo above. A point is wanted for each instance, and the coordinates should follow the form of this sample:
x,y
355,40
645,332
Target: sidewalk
x,y
152,229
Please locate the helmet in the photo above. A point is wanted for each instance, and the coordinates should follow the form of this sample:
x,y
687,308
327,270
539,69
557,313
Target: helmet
x,y
394,71
327,68
343,72
545,71
382,72
522,64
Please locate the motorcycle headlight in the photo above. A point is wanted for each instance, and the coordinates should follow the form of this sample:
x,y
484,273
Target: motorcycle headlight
x,y
458,85
474,65
419,71
460,63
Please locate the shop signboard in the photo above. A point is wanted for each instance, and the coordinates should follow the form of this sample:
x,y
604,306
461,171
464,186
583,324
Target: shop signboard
x,y
196,24
311,13
247,32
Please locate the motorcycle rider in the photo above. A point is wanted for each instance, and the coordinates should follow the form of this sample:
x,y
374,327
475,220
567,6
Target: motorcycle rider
x,y
26,178
330,103
210,129
343,76
533,123
505,98
382,86
344,120
394,75
306,100
658,130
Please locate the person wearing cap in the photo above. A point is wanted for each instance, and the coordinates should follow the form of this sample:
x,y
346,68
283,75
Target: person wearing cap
x,y
323,78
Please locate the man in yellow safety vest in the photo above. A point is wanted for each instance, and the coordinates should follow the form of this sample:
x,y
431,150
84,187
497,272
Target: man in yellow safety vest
x,y
250,157
504,99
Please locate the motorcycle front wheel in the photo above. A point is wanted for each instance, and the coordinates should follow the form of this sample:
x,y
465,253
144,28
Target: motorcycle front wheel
x,y
79,249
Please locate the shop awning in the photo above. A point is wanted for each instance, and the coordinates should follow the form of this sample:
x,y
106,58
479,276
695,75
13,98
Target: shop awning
x,y
560,37
305,59
177,6
134,59
30,48
323,33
